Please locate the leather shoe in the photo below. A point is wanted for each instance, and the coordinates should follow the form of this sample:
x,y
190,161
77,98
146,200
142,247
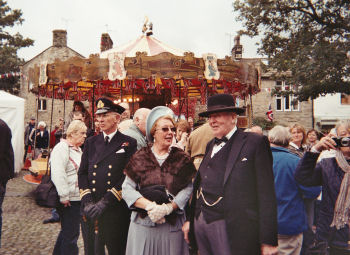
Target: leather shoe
x,y
51,220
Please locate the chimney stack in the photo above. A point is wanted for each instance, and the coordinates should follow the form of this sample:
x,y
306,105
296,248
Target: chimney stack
x,y
59,38
237,49
106,42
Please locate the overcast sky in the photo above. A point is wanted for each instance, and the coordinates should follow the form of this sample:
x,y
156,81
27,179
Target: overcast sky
x,y
200,26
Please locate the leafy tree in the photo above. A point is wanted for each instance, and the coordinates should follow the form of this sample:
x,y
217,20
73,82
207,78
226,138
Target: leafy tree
x,y
9,44
309,38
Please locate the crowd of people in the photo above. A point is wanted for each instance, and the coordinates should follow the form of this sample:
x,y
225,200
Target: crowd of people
x,y
153,185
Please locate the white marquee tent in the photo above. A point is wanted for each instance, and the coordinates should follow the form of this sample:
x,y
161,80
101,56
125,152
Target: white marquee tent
x,y
12,112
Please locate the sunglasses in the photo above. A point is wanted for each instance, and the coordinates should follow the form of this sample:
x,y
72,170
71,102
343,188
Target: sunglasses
x,y
166,129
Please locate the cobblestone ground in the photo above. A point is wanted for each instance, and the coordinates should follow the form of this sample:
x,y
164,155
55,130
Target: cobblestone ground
x,y
22,230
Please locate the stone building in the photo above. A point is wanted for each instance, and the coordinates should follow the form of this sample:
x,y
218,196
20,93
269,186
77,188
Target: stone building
x,y
58,50
286,109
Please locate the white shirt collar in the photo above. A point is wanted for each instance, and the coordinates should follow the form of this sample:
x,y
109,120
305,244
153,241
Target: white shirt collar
x,y
110,135
230,134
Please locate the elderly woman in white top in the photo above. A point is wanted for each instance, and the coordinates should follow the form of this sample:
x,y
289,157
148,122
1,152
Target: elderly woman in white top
x,y
157,186
64,162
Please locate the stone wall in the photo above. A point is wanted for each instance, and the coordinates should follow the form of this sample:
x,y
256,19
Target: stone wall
x,y
261,103
48,55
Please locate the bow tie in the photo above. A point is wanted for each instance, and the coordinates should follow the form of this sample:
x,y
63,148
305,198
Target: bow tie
x,y
217,141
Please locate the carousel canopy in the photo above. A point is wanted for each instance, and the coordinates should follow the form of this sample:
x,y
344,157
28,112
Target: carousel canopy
x,y
144,43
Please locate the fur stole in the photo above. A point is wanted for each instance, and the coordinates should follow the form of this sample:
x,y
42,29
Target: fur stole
x,y
175,173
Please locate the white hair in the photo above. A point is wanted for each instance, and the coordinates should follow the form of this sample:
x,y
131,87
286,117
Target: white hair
x,y
279,135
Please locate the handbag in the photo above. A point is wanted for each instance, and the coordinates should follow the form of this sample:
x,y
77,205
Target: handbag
x,y
160,195
46,194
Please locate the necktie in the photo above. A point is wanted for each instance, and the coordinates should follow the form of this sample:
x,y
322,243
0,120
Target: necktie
x,y
217,141
106,140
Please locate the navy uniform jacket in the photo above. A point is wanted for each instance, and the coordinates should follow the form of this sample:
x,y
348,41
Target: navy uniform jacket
x,y
101,170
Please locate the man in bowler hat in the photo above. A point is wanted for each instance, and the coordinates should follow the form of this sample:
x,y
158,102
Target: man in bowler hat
x,y
100,177
233,208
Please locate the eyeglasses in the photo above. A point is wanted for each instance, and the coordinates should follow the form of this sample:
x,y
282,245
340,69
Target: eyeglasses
x,y
166,129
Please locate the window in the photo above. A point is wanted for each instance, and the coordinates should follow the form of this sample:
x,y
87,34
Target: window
x,y
42,106
279,103
286,103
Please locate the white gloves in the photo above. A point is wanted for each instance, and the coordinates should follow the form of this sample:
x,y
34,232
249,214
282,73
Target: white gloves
x,y
157,212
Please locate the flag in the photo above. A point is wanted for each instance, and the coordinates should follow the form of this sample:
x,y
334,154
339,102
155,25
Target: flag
x,y
269,113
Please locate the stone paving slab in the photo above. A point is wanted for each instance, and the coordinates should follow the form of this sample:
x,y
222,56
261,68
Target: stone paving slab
x,y
22,230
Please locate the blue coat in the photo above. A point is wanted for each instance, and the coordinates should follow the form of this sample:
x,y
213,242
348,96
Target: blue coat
x,y
290,206
328,174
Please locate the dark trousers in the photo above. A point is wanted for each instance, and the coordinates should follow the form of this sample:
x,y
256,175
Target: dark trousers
x,y
112,231
211,237
2,196
66,243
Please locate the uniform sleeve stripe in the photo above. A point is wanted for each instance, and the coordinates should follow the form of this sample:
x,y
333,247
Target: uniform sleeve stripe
x,y
116,193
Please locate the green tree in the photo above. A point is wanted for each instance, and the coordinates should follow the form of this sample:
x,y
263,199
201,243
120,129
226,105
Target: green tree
x,y
9,44
308,38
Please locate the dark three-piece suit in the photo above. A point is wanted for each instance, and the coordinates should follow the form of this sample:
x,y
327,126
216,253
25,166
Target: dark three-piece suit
x,y
241,174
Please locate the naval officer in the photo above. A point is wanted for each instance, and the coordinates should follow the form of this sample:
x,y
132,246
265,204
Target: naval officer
x,y
105,215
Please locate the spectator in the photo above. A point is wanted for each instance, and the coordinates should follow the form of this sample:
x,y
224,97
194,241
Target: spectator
x,y
7,165
126,114
197,142
297,145
155,227
40,138
190,122
27,132
311,137
65,160
291,213
333,174
183,129
137,130
79,107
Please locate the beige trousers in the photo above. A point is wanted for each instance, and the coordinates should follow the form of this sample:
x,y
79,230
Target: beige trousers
x,y
290,245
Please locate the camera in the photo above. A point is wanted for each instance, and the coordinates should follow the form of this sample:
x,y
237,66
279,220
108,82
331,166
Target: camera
x,y
342,141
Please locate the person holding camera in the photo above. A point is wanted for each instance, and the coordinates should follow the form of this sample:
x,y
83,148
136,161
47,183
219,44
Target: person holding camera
x,y
157,187
334,176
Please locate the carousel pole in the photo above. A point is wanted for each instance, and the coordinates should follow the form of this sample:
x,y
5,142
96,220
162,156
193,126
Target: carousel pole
x,y
178,118
37,119
133,102
52,100
93,106
64,112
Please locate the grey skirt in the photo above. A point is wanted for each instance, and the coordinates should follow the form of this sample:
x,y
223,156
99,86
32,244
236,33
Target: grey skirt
x,y
159,240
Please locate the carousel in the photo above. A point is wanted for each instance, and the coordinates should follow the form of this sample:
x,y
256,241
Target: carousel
x,y
146,73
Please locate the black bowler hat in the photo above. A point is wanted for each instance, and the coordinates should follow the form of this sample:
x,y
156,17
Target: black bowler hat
x,y
104,105
221,103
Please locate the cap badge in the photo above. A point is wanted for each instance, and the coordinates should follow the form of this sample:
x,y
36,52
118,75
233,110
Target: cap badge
x,y
100,104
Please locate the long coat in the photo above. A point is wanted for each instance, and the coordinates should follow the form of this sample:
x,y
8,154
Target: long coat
x,y
7,167
250,209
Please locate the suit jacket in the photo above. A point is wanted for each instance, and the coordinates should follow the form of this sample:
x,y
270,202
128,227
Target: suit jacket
x,y
250,208
7,166
100,173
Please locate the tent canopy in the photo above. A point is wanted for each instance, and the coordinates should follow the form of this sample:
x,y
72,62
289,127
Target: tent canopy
x,y
148,44
12,112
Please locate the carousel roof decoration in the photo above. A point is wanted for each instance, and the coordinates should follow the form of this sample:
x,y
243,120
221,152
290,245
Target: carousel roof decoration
x,y
146,66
